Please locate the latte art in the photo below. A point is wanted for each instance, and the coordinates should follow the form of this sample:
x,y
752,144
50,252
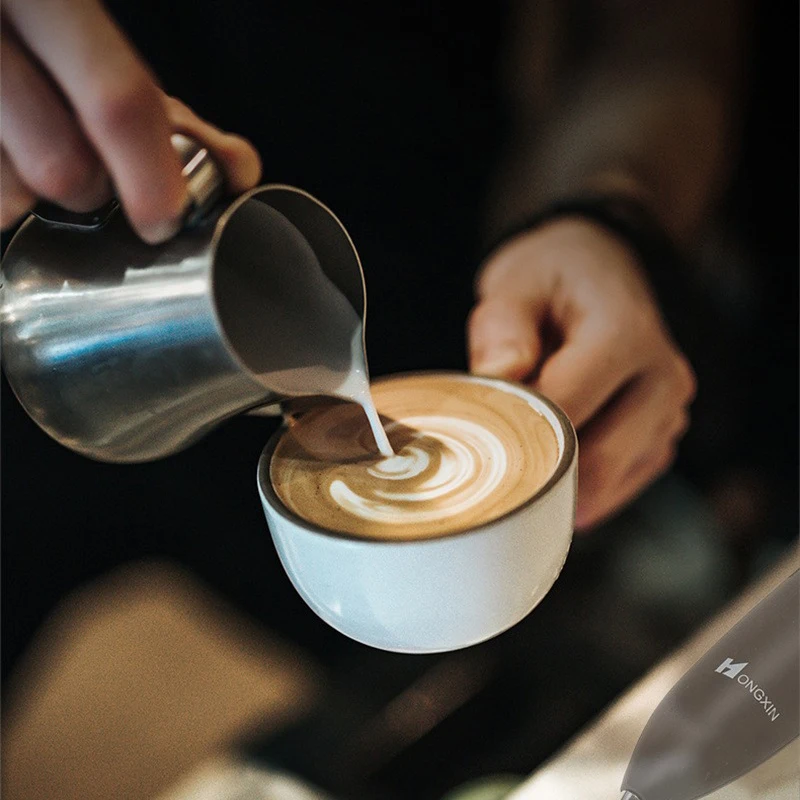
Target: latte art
x,y
450,467
466,452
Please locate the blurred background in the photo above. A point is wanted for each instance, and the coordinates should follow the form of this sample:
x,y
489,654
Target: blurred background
x,y
306,83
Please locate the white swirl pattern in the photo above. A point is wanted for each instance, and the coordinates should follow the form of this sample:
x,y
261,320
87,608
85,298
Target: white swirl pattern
x,y
466,452
472,462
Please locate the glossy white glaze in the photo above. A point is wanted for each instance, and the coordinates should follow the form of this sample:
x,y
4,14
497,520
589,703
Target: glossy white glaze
x,y
437,594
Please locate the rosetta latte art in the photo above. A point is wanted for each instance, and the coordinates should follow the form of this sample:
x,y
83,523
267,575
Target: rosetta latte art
x,y
467,451
424,484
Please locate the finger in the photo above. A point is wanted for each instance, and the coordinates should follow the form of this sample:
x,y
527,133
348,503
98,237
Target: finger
x,y
17,198
644,421
504,338
671,431
237,157
118,103
42,137
589,367
603,507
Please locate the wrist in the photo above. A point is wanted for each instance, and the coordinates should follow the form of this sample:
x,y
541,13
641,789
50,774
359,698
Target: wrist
x,y
623,214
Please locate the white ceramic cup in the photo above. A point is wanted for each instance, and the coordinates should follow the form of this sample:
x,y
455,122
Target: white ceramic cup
x,y
440,593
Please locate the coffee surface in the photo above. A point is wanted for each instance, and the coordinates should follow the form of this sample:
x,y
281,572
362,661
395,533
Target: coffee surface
x,y
466,452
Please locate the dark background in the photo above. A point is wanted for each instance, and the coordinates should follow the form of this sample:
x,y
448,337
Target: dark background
x,y
393,120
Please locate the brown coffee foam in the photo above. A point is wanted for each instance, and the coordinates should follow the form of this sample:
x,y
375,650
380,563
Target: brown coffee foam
x,y
332,445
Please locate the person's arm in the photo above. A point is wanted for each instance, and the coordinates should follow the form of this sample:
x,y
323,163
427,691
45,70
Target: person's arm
x,y
628,97
644,111
82,117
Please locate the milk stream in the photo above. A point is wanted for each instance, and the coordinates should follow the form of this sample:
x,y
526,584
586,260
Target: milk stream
x,y
378,431
355,387
318,346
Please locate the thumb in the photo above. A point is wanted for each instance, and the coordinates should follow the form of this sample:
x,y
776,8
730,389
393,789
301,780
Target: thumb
x,y
504,339
237,157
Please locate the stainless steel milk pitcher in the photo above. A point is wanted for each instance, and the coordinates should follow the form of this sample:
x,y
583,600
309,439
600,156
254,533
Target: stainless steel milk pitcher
x,y
128,352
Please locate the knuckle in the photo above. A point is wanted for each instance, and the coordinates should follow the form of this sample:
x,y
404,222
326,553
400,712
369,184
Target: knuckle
x,y
123,102
612,331
624,335
613,349
644,331
172,103
178,112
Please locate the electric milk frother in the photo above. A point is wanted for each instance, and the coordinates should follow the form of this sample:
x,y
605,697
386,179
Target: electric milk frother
x,y
734,709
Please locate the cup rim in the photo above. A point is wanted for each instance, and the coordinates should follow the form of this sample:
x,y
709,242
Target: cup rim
x,y
565,461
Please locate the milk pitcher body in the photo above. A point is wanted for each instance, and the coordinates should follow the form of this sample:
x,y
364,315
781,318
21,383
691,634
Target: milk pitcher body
x,y
128,352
